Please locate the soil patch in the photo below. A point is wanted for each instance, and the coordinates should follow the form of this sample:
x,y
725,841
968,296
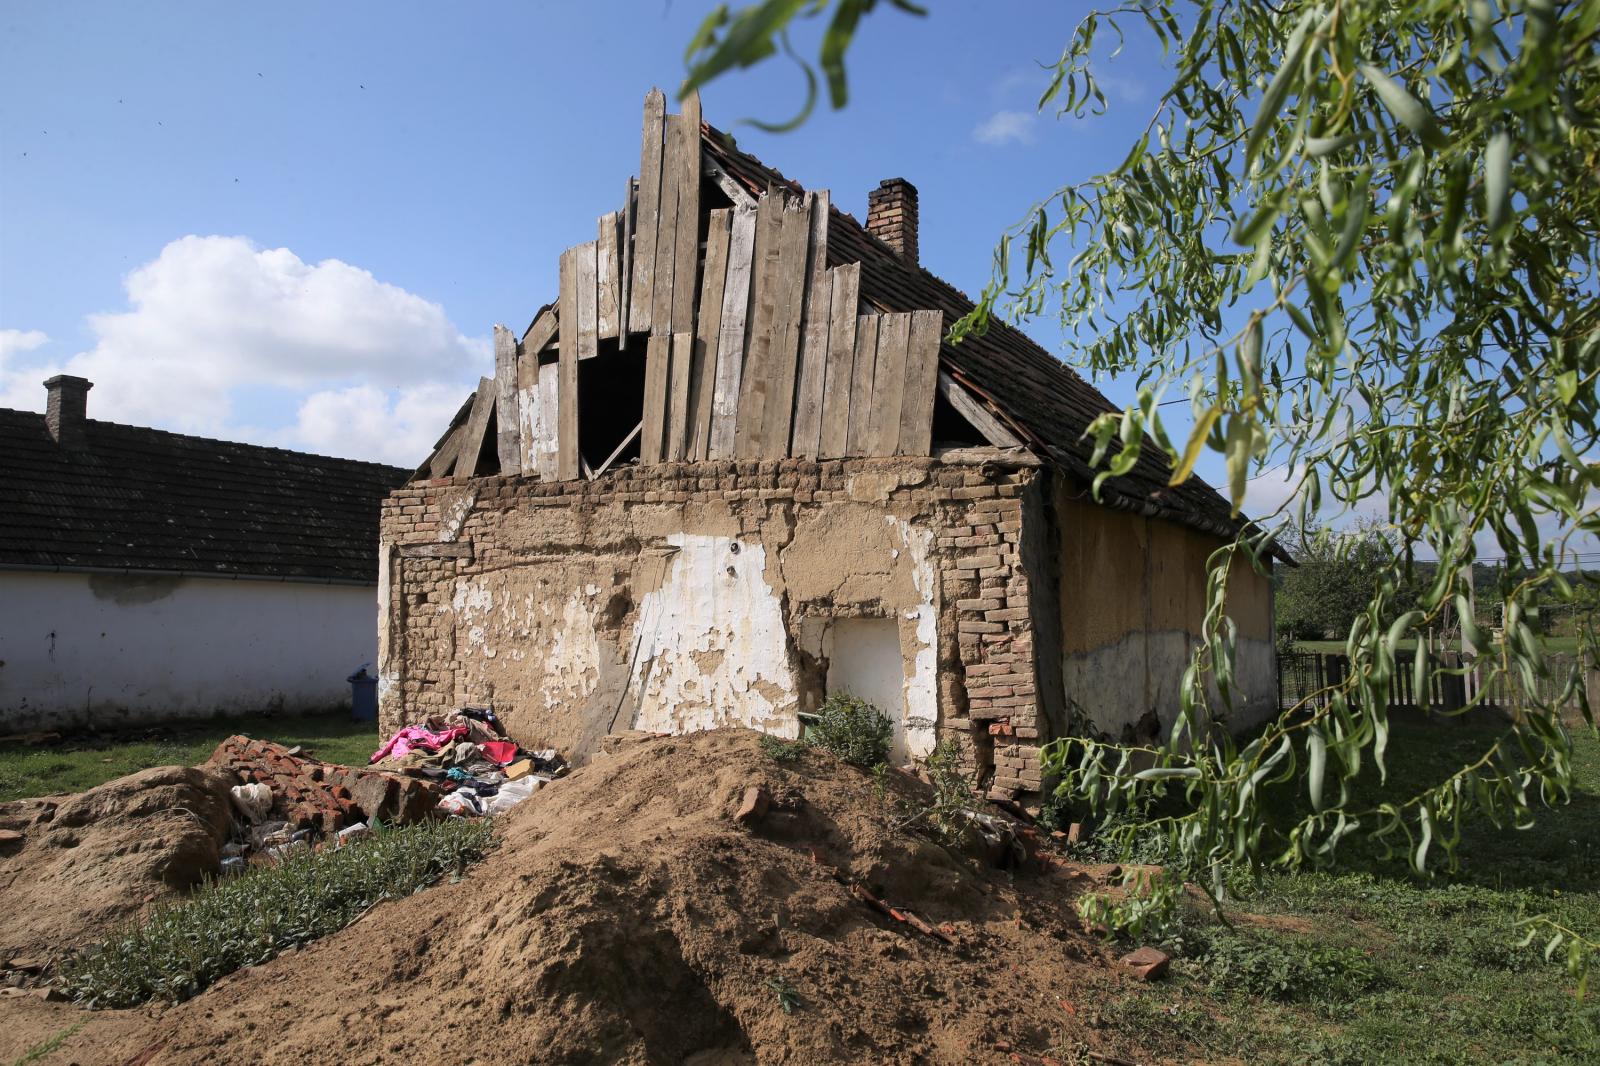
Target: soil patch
x,y
73,867
628,917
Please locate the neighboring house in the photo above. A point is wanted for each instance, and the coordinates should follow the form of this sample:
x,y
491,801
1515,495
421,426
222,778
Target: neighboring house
x,y
147,575
735,467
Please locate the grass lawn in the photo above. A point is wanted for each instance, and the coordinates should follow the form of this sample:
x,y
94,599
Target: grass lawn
x,y
1371,964
74,764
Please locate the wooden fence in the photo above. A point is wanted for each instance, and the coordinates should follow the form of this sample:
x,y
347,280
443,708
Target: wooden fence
x,y
1451,681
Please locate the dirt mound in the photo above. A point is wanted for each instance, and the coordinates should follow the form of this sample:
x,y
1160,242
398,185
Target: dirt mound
x,y
628,917
80,864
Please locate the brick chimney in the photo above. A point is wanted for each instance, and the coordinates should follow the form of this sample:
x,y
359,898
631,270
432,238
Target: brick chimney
x,y
67,409
892,216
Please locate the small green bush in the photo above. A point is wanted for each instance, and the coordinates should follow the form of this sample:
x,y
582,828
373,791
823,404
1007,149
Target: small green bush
x,y
1285,968
781,751
182,948
953,798
852,729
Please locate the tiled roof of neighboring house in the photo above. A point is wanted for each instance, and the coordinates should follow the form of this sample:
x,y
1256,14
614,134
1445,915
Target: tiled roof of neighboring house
x,y
1040,396
144,499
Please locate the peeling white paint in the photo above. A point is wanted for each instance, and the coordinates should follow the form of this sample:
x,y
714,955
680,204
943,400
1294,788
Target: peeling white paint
x,y
713,650
919,727
572,664
455,515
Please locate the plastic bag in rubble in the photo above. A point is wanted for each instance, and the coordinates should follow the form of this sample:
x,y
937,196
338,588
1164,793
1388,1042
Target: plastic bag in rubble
x,y
512,793
253,801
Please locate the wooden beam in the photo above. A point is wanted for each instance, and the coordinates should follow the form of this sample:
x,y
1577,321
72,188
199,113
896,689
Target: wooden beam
x,y
541,333
730,185
858,438
844,295
443,459
508,421
607,271
528,414
753,384
888,384
667,232
730,333
625,251
586,262
567,403
476,429
603,467
678,397
778,418
657,363
807,434
982,419
915,435
703,365
547,449
641,291
684,287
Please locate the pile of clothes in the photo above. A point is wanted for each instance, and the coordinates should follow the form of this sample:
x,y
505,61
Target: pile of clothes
x,y
469,755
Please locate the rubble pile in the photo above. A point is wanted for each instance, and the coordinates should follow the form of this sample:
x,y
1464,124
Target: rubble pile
x,y
309,794
689,900
471,759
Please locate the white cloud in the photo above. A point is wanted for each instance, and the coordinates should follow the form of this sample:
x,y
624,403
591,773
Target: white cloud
x,y
1006,127
216,322
398,427
19,340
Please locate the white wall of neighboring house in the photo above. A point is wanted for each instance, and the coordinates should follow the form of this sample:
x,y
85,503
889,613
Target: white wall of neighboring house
x,y
122,649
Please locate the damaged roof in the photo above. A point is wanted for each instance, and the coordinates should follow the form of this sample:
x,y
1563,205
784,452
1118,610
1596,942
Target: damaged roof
x,y
131,498
1044,400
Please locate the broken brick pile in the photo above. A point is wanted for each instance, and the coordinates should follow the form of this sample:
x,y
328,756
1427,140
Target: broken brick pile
x,y
311,794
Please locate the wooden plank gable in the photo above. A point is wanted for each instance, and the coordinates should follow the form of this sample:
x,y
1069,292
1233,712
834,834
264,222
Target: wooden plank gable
x,y
508,420
641,293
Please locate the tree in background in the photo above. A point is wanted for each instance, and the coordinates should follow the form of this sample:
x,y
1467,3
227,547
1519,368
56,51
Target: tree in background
x,y
1359,237
1333,581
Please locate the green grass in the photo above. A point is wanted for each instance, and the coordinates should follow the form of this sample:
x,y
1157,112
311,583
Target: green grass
x,y
182,948
75,764
1370,964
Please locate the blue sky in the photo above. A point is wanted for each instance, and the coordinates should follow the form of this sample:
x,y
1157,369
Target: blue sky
x,y
296,223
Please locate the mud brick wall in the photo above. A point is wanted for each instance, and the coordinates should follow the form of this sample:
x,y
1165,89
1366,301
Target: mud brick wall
x,y
683,596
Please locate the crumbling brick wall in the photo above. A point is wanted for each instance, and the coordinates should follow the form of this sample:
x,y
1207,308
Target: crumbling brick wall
x,y
539,596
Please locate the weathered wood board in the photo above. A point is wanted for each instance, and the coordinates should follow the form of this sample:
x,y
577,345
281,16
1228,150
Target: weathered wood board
x,y
703,366
567,405
657,367
844,295
687,243
678,397
922,377
547,448
731,333
641,292
476,429
625,254
541,333
778,418
888,384
586,263
967,406
866,363
508,422
812,370
667,226
754,384
528,413
607,269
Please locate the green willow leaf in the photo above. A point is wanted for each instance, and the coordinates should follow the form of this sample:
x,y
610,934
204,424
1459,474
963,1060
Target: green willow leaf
x,y
1407,109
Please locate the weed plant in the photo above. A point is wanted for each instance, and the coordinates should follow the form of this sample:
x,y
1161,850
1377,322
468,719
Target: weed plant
x,y
182,948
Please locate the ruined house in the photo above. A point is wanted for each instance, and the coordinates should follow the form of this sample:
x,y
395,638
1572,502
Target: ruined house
x,y
735,466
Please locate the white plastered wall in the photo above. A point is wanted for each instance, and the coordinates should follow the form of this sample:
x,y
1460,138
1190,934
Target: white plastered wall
x,y
116,649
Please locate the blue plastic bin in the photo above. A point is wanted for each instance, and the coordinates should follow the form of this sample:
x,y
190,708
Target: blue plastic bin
x,y
363,696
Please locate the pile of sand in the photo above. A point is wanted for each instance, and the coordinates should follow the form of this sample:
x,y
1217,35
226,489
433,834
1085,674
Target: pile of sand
x,y
73,867
627,917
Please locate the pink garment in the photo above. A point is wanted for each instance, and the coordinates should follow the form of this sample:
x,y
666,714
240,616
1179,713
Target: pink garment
x,y
413,737
501,751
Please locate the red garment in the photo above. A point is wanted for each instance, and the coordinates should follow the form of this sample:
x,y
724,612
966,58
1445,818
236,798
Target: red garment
x,y
501,751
